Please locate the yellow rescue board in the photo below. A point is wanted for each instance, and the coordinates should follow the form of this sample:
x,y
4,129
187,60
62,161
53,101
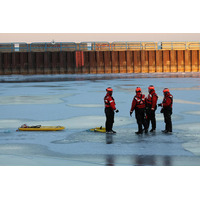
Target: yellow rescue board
x,y
43,128
99,129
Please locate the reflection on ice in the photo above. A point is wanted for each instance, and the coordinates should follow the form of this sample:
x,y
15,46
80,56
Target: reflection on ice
x,y
100,160
125,142
110,160
143,160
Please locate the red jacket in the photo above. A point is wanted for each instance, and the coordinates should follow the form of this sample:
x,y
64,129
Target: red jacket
x,y
138,101
151,100
109,101
167,101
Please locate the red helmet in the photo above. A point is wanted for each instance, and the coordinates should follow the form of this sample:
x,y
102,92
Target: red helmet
x,y
151,87
138,89
165,90
109,89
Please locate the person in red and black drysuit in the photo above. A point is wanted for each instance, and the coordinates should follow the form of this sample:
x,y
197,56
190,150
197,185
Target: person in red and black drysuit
x,y
109,110
151,106
166,105
138,104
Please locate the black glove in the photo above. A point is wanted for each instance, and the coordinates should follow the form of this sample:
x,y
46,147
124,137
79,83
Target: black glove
x,y
162,110
160,105
152,111
131,113
116,111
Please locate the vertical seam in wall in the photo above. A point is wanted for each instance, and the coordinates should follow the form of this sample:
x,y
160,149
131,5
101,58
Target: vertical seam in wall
x,y
89,62
118,61
177,60
148,61
126,60
162,61
95,58
110,61
104,61
191,60
133,60
155,61
198,59
170,58
184,59
140,61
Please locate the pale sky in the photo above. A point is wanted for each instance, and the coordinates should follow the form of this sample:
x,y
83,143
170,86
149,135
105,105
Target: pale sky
x,y
86,37
107,20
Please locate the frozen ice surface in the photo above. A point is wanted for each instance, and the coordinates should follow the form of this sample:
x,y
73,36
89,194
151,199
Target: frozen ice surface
x,y
47,99
76,102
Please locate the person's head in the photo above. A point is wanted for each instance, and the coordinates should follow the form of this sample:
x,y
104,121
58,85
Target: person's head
x,y
151,88
24,126
109,90
138,90
165,91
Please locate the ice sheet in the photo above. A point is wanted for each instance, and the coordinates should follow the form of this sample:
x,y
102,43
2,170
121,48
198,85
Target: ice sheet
x,y
82,122
43,99
76,102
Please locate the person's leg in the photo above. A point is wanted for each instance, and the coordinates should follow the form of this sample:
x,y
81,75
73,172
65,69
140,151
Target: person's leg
x,y
168,121
153,120
111,119
139,120
165,120
144,120
108,119
148,119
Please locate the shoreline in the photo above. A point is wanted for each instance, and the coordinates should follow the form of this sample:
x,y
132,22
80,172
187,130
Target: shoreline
x,y
80,77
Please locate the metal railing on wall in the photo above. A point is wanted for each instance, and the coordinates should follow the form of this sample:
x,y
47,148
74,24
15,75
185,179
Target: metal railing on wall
x,y
61,46
97,46
117,46
11,47
38,47
180,45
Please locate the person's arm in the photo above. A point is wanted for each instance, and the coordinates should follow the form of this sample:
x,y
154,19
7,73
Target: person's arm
x,y
132,106
154,102
112,103
167,103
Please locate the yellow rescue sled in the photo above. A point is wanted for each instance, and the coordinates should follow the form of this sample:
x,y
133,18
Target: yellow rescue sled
x,y
99,129
40,128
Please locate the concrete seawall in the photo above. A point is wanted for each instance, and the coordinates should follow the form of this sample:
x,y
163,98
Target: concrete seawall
x,y
99,62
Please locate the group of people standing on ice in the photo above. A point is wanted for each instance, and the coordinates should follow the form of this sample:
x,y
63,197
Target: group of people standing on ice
x,y
144,107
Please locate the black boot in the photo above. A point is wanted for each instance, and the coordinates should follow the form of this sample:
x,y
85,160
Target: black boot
x,y
114,132
139,132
